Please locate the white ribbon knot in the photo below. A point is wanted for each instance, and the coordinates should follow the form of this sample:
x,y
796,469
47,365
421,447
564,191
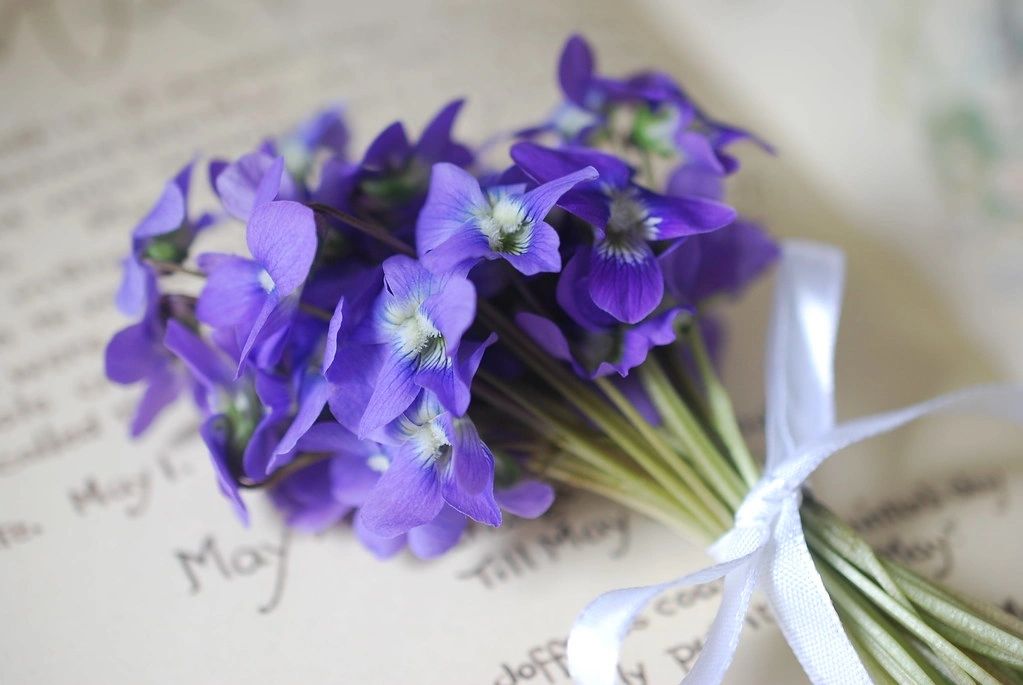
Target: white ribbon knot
x,y
766,547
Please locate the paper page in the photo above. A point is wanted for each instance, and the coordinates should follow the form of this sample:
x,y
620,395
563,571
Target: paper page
x,y
120,561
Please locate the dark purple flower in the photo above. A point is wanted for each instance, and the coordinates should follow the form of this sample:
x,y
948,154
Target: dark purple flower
x,y
395,171
256,298
325,131
439,459
460,224
625,279
320,495
164,234
410,339
722,262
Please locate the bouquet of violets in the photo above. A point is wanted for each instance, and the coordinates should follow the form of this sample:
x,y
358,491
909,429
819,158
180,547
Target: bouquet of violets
x,y
419,339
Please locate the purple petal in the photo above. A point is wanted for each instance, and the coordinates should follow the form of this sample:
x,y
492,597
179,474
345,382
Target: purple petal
x,y
163,388
459,253
233,294
528,499
313,399
260,328
406,278
450,201
539,201
353,377
137,285
433,539
132,354
282,237
326,129
546,334
435,143
216,433
575,69
333,328
381,547
452,309
472,461
690,180
389,148
332,438
394,390
337,181
479,507
542,255
407,495
681,216
253,179
470,354
352,478
699,152
573,294
206,365
272,185
307,501
169,212
627,290
637,341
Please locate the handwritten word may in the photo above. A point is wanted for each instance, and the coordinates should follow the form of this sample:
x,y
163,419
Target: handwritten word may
x,y
211,563
129,493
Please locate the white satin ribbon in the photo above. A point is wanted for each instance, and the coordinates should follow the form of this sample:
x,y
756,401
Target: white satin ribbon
x,y
766,548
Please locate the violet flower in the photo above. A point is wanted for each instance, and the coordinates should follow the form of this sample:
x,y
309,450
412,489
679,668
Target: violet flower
x,y
136,354
460,224
164,234
440,459
722,262
256,298
409,340
625,278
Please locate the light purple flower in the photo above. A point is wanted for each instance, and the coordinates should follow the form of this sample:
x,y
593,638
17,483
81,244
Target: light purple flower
x,y
253,179
460,224
440,459
410,339
722,262
256,298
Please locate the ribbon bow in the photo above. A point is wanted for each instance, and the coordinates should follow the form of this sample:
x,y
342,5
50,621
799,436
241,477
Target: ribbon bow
x,y
766,546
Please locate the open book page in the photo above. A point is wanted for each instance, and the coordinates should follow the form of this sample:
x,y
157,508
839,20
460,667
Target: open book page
x,y
120,560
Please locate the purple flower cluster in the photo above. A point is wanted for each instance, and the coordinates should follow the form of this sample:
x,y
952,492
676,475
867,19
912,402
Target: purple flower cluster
x,y
359,361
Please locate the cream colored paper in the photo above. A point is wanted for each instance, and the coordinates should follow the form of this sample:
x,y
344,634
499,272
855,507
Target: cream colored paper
x,y
121,564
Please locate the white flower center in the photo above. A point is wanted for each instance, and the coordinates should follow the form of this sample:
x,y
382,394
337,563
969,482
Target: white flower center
x,y
266,281
629,227
413,334
505,224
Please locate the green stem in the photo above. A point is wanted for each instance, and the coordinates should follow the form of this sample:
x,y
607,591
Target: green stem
x,y
687,429
720,407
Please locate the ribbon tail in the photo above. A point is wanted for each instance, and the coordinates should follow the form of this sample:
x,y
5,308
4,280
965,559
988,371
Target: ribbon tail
x,y
804,609
595,642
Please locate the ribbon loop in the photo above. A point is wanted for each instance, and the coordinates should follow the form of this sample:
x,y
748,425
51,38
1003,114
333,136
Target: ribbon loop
x,y
766,546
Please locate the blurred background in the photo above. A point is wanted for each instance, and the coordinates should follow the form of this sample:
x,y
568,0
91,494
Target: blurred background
x,y
899,137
